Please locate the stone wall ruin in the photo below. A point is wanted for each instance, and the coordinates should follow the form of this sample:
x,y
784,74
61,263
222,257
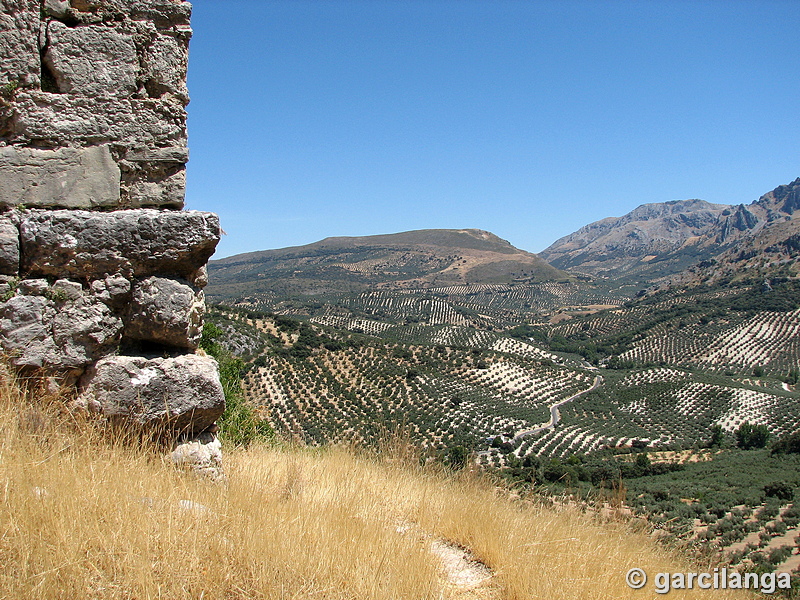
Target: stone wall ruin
x,y
101,271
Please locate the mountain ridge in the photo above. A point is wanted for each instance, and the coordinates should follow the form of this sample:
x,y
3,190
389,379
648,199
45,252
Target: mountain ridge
x,y
411,259
658,241
655,244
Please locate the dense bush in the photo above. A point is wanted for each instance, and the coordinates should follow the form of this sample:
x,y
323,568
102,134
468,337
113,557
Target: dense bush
x,y
789,444
780,490
750,436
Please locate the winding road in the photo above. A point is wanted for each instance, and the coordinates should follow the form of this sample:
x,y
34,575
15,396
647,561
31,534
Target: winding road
x,y
554,415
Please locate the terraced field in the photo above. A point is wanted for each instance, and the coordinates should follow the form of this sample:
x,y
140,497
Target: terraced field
x,y
440,397
486,306
445,349
768,340
720,331
657,408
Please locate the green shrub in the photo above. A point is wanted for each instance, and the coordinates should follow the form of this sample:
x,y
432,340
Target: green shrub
x,y
789,444
780,490
240,424
750,436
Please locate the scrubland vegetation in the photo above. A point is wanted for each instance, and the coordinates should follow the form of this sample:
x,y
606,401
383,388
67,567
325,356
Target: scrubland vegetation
x,y
85,514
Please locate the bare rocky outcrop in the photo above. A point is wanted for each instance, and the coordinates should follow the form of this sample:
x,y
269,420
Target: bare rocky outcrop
x,y
101,271
655,243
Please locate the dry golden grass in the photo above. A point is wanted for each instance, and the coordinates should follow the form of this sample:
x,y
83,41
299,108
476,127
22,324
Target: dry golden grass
x,y
82,516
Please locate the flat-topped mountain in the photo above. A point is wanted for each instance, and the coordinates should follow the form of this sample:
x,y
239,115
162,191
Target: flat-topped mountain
x,y
412,259
662,239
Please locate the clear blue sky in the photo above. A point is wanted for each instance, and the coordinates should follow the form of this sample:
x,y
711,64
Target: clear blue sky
x,y
528,119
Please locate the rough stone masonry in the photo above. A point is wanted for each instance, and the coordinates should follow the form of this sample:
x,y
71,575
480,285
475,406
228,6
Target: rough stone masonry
x,y
101,271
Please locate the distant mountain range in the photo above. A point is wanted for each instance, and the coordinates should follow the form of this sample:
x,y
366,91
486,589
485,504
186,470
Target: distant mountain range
x,y
657,241
683,241
414,259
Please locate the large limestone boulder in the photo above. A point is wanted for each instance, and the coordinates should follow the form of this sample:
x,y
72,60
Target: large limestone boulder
x,y
81,178
92,60
182,394
132,243
58,327
166,311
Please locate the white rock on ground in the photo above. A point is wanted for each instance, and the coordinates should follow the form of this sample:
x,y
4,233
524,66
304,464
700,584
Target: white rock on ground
x,y
201,454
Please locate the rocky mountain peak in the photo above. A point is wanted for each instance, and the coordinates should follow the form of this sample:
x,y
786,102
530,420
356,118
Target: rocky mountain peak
x,y
659,240
784,198
673,208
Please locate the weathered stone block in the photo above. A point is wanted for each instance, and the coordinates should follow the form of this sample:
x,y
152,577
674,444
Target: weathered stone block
x,y
9,246
164,13
19,50
63,178
176,155
92,60
200,277
181,393
114,290
7,284
164,67
56,8
83,330
33,287
154,185
57,330
132,243
24,330
202,454
66,120
16,6
67,290
166,311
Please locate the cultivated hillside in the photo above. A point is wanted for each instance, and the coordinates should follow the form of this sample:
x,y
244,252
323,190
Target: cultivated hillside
x,y
459,386
656,241
414,259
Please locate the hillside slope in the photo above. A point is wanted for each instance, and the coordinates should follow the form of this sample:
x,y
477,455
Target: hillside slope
x,y
411,259
621,245
759,241
84,517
